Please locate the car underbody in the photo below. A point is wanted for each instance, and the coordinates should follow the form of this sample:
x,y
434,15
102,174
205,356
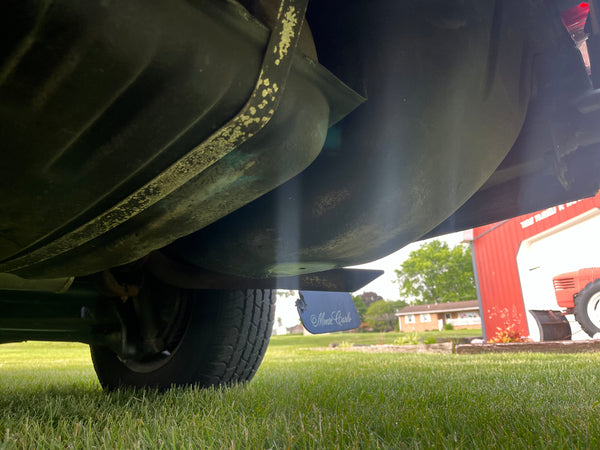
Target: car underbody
x,y
195,148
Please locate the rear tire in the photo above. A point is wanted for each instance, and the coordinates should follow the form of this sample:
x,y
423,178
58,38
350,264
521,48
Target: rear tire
x,y
587,308
222,342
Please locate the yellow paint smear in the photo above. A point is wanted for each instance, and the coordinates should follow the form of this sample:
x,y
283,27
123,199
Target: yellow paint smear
x,y
290,18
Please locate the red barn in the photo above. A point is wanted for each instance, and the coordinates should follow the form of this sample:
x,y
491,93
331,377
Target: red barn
x,y
515,261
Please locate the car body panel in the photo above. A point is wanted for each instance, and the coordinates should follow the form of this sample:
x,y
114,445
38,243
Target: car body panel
x,y
470,115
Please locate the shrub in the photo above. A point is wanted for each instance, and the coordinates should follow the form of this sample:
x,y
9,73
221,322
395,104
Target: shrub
x,y
448,327
509,334
408,339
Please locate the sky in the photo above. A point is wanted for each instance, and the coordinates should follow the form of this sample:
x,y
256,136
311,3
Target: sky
x,y
384,285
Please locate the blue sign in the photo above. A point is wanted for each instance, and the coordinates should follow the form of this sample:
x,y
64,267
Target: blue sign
x,y
326,312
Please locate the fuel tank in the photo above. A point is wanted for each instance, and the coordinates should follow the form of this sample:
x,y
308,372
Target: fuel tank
x,y
98,99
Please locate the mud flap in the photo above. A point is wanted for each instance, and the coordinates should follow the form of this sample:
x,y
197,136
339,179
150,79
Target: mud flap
x,y
326,312
553,325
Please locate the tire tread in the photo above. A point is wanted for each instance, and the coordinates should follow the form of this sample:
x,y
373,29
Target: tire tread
x,y
580,310
227,338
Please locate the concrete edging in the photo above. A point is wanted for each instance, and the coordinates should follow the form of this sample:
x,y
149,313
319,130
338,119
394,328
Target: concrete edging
x,y
444,347
538,347
591,346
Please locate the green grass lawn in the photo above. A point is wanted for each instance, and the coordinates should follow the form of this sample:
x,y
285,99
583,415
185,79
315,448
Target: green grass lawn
x,y
49,397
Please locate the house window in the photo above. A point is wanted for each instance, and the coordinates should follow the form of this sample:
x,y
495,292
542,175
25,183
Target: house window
x,y
410,318
469,315
425,317
448,316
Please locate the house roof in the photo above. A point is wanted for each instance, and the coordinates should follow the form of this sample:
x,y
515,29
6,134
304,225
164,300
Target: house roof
x,y
468,305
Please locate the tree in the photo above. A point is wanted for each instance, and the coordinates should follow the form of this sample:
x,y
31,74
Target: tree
x,y
370,297
381,315
360,307
363,301
436,273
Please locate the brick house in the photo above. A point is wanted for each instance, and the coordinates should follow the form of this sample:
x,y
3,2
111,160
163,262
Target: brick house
x,y
296,329
462,315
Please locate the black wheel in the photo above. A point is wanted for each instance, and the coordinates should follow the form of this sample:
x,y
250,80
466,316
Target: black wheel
x,y
587,308
209,338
